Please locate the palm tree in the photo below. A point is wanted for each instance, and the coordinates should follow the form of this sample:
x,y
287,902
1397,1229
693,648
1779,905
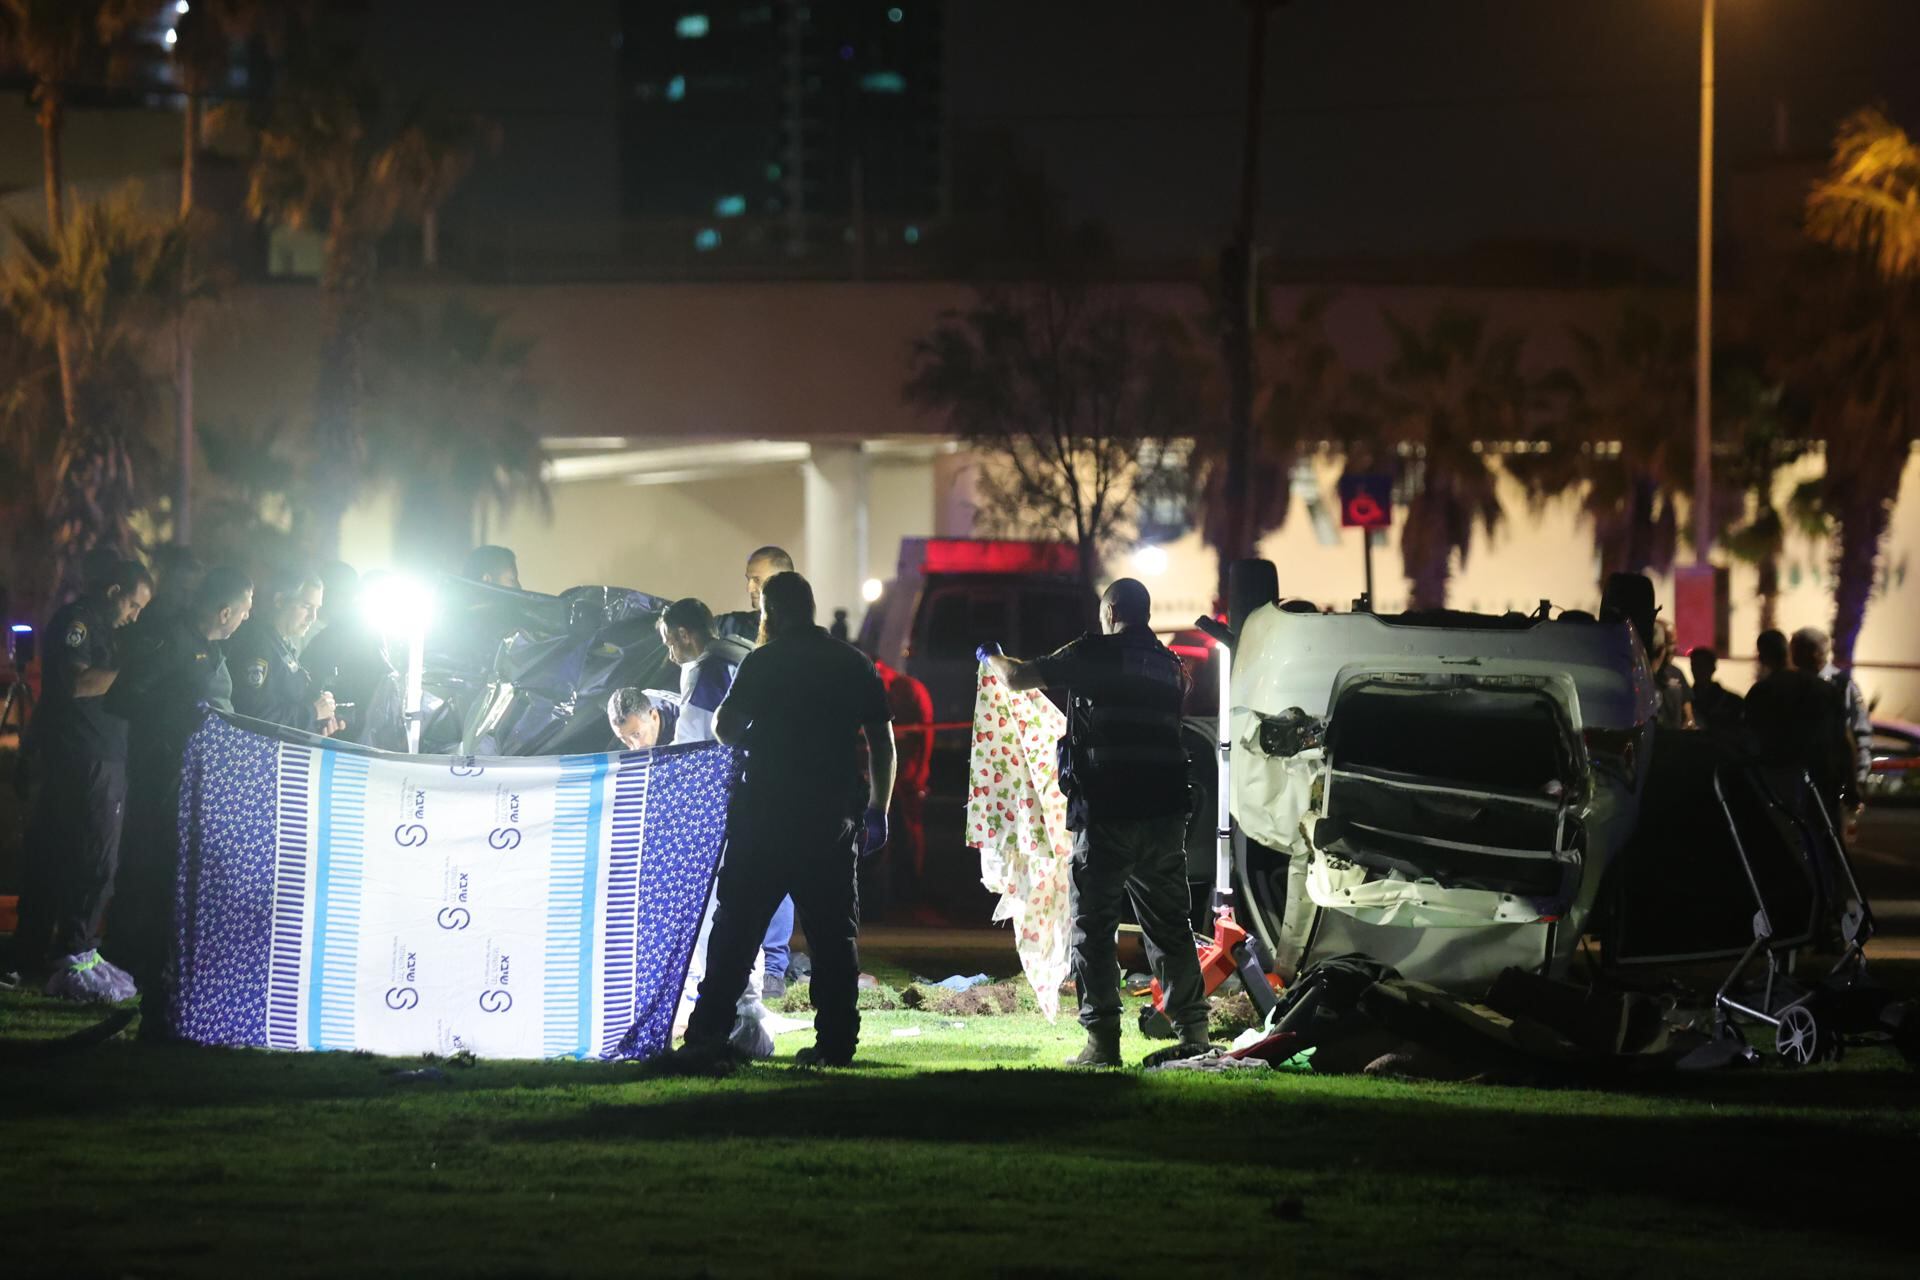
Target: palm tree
x,y
1450,387
452,408
1859,361
204,40
1616,437
331,157
97,285
1299,386
60,43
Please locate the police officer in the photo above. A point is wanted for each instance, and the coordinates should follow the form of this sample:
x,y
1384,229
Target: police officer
x,y
744,626
162,687
799,705
1127,804
79,771
263,657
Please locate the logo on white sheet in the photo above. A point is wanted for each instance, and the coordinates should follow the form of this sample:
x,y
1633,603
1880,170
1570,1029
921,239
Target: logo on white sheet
x,y
506,816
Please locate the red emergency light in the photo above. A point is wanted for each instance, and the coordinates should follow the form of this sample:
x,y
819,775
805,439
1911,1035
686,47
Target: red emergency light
x,y
991,555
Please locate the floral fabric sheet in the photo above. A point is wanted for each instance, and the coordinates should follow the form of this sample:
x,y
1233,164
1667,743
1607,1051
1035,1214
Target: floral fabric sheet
x,y
1017,819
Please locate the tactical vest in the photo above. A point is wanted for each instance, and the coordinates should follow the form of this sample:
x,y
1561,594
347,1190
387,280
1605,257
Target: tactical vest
x,y
1124,758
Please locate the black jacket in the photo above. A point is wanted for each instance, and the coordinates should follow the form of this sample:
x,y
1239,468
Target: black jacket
x,y
268,681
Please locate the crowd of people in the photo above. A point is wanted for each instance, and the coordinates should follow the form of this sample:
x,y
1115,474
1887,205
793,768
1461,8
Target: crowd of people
x,y
135,659
1802,713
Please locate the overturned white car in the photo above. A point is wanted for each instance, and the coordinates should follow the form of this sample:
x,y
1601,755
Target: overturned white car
x,y
1441,791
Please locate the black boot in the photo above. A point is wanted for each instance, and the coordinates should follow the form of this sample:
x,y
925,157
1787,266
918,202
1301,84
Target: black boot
x,y
1102,1050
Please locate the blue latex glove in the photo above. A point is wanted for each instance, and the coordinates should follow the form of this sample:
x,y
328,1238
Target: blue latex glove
x,y
991,649
876,838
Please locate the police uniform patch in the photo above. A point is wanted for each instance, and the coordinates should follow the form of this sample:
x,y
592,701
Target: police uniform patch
x,y
76,634
257,673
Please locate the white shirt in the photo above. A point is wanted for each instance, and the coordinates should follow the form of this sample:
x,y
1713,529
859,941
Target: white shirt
x,y
703,686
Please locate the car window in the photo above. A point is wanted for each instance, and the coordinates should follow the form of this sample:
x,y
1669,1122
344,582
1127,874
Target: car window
x,y
959,620
944,624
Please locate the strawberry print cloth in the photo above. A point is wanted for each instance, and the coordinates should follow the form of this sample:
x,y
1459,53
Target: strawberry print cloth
x,y
1017,819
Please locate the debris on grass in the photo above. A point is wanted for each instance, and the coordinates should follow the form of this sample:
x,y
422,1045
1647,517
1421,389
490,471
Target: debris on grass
x,y
1228,1016
425,1075
799,999
993,999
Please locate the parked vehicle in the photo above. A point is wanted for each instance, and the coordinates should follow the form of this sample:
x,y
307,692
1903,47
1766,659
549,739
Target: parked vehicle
x,y
1896,762
948,596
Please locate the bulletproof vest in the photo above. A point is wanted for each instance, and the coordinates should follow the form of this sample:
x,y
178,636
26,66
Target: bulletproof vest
x,y
1123,731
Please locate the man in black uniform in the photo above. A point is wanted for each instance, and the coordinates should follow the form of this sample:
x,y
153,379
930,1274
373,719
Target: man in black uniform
x,y
268,681
1716,708
79,772
163,685
798,706
177,572
1125,778
1796,721
744,626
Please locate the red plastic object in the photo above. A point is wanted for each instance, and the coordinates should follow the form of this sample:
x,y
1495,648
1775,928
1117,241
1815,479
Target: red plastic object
x,y
1216,958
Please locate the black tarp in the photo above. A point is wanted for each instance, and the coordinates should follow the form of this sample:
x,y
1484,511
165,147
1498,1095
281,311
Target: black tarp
x,y
517,673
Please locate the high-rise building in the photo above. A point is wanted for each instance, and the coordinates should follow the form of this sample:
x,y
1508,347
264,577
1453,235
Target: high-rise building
x,y
783,128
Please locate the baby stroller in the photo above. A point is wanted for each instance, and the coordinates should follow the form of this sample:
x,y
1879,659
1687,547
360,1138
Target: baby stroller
x,y
1737,861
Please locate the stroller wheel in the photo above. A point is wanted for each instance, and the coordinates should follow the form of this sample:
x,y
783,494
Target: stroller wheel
x,y
1800,1038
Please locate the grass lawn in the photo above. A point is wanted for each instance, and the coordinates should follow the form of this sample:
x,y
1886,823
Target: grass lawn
x,y
949,1152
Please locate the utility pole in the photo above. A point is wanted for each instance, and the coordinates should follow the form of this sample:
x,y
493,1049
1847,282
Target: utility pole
x,y
1239,300
1696,586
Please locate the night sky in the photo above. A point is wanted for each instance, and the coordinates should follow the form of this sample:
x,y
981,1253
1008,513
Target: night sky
x,y
1394,126
1413,125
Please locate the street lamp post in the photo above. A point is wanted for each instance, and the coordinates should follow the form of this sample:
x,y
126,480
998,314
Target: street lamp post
x,y
1696,586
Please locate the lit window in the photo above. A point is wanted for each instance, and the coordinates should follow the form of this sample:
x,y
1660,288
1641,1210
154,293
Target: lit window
x,y
911,235
707,239
676,88
883,82
729,206
691,27
773,172
896,15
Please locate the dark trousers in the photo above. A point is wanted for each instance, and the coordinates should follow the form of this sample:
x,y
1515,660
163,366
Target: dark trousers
x,y
72,850
766,861
143,926
1143,859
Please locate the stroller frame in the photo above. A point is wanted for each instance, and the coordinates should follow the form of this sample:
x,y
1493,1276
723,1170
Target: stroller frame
x,y
1800,1036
